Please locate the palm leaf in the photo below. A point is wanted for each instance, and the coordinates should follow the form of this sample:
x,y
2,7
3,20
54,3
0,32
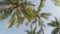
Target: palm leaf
x,y
11,22
5,13
28,13
54,23
55,31
57,2
32,31
27,32
40,5
18,17
3,7
45,15
34,21
57,22
19,20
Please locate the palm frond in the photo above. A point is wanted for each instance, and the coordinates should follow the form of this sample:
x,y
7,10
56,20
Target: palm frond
x,y
19,20
28,13
27,32
5,13
34,21
45,15
54,23
55,31
11,22
32,31
57,2
3,7
18,17
57,22
40,5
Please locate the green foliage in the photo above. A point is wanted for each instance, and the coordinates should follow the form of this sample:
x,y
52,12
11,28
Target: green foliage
x,y
45,15
24,10
32,31
21,8
55,24
55,31
57,2
28,12
5,13
11,22
42,3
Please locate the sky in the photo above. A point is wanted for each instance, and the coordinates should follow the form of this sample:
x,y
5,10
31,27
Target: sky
x,y
49,7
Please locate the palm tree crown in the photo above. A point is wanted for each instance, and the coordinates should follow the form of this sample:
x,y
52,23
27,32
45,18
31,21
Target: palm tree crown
x,y
55,24
19,7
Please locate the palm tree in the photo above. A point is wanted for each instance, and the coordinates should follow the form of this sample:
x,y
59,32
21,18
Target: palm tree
x,y
38,16
55,24
20,10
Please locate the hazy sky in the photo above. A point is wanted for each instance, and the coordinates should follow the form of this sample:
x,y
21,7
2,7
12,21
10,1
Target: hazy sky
x,y
49,7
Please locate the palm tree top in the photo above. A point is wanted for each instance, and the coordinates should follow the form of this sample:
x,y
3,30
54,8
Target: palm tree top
x,y
20,7
54,23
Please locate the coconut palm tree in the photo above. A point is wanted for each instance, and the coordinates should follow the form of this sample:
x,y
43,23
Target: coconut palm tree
x,y
19,9
55,24
39,15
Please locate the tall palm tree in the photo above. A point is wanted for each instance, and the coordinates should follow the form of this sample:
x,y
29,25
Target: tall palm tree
x,y
55,24
38,16
19,9
22,10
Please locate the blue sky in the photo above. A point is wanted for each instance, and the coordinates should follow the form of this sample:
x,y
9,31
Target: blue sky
x,y
49,7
